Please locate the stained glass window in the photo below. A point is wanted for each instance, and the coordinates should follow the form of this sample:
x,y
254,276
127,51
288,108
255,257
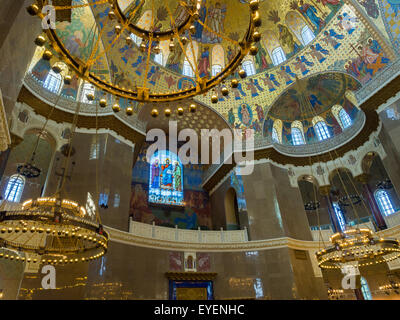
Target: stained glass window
x,y
166,179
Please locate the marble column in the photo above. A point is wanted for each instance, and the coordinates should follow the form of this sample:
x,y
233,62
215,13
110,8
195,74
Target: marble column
x,y
17,33
392,159
114,176
275,209
369,196
326,202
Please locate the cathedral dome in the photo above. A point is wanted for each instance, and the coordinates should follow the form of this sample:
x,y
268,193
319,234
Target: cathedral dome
x,y
313,109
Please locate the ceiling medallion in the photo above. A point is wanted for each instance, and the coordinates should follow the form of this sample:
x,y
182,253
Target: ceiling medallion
x,y
178,35
358,248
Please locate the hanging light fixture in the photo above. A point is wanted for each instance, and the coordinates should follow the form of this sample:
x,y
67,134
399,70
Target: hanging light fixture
x,y
55,230
180,36
359,248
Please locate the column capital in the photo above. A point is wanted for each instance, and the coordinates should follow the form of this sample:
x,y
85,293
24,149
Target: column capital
x,y
325,190
363,178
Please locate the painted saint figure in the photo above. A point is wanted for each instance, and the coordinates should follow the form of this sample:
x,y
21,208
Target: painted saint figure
x,y
155,174
204,63
271,82
166,175
330,38
178,177
348,23
310,12
317,52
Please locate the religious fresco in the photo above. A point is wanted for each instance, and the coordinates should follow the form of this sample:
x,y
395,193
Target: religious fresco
x,y
196,211
342,43
80,36
390,10
323,92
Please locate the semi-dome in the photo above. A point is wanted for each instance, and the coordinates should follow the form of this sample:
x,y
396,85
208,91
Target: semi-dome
x,y
314,109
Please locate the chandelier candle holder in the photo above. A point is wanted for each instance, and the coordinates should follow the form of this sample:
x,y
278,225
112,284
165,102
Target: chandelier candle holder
x,y
358,248
58,231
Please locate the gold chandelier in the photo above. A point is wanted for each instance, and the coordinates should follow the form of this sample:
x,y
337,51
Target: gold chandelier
x,y
54,231
180,36
357,247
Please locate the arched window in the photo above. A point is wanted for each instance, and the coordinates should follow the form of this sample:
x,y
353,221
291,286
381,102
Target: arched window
x,y
14,189
297,137
278,56
365,289
187,69
216,68
275,137
384,203
166,179
159,58
322,130
344,119
189,64
218,59
136,39
87,88
53,82
307,35
339,216
248,66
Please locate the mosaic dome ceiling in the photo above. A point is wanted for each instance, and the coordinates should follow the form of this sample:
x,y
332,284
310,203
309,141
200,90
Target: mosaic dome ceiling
x,y
322,91
314,37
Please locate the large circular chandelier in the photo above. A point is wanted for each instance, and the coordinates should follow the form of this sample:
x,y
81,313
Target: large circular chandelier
x,y
179,34
359,248
54,231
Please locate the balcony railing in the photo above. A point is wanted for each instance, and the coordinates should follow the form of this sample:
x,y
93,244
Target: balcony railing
x,y
187,236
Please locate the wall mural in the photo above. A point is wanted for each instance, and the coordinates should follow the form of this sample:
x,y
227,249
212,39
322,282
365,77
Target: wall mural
x,y
390,10
196,211
344,44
